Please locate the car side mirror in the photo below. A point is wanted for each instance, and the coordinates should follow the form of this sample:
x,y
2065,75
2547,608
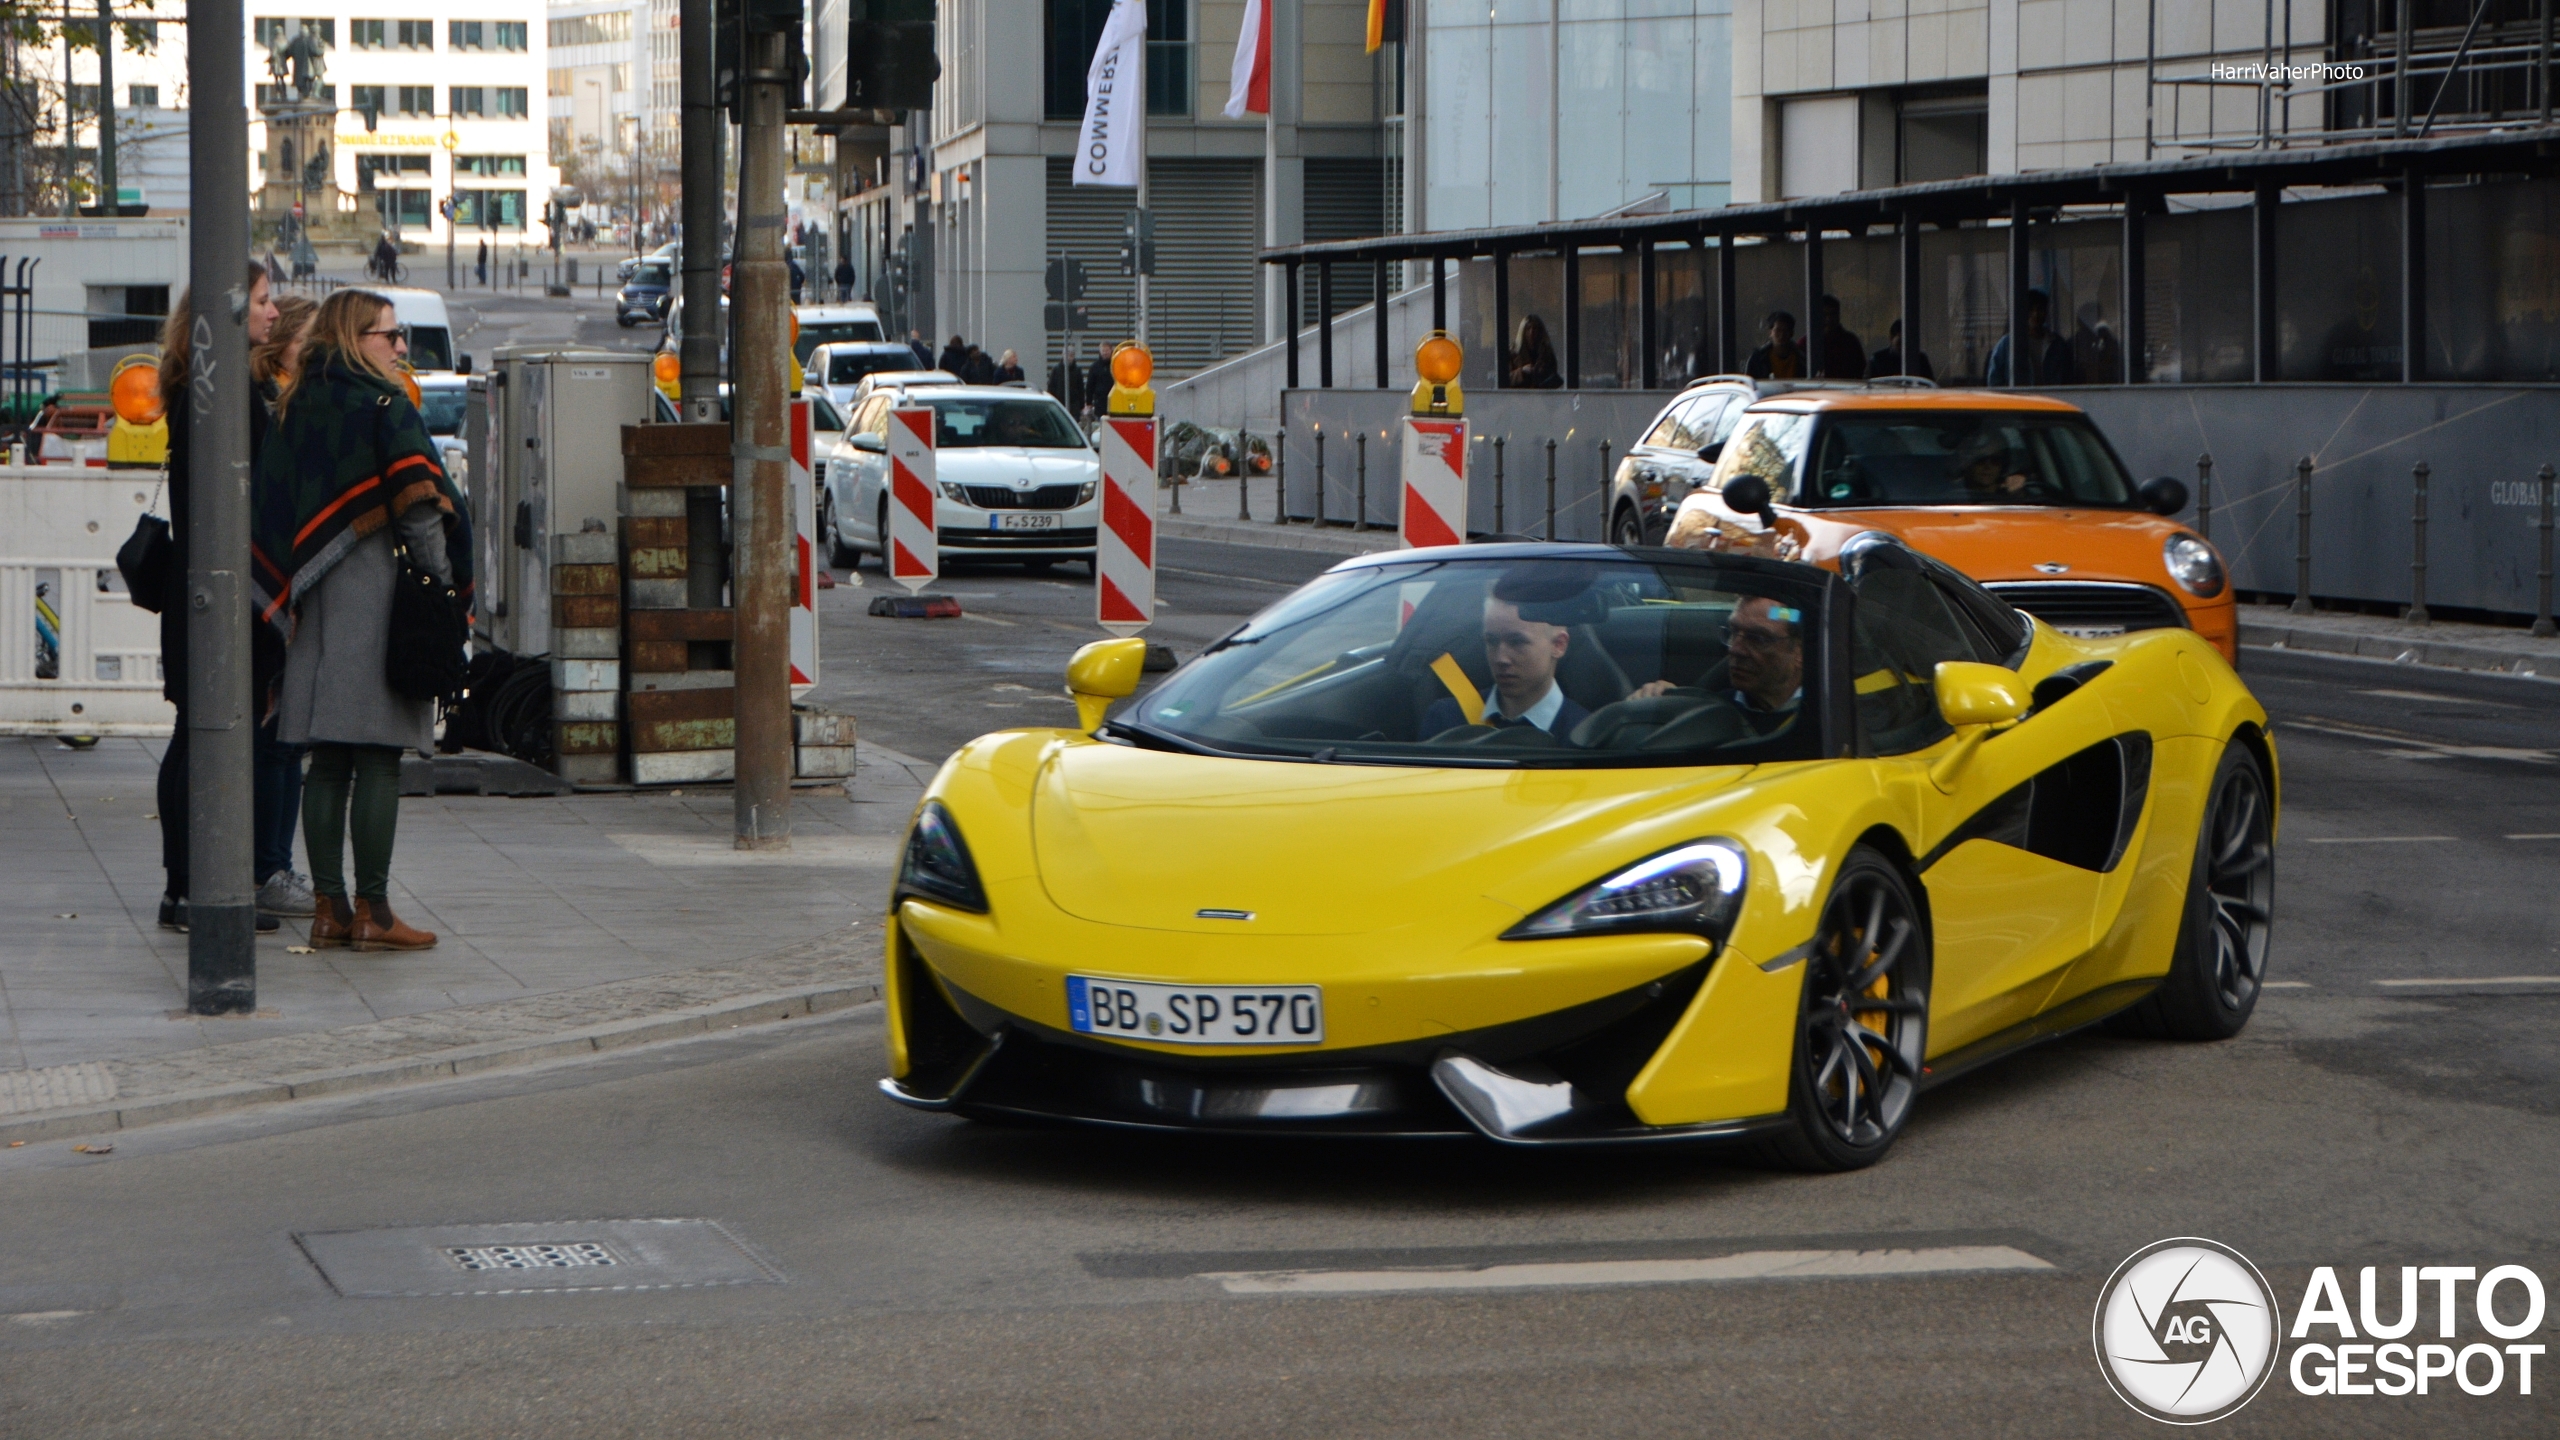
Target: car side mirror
x,y
1711,452
1102,672
865,440
1975,699
1750,495
462,363
2165,495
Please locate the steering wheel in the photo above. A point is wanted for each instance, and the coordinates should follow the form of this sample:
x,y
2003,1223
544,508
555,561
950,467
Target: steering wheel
x,y
1680,719
1497,737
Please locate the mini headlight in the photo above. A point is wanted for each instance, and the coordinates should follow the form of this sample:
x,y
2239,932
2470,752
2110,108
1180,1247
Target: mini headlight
x,y
937,865
1084,493
2193,565
952,491
1693,889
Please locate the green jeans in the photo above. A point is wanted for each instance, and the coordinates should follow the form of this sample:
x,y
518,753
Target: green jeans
x,y
372,772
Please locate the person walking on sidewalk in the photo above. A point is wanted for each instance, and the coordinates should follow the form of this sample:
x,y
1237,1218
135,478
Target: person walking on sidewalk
x,y
481,266
349,468
282,890
175,376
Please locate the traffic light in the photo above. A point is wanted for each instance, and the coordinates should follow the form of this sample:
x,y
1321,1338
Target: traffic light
x,y
736,19
889,60
1138,243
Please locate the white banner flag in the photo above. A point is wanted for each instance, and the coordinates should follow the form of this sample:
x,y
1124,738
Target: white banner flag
x,y
1112,148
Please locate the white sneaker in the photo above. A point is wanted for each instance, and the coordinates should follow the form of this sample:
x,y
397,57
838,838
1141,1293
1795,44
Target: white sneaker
x,y
286,893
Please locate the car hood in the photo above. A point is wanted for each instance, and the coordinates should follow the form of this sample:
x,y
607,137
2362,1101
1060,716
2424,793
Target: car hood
x,y
2007,542
1004,464
1144,838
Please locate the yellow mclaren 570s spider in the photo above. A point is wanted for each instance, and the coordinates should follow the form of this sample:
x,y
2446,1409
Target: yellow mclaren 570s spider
x,y
1572,843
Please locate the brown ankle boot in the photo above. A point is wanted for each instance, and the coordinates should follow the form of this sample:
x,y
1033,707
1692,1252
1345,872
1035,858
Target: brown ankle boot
x,y
376,928
331,920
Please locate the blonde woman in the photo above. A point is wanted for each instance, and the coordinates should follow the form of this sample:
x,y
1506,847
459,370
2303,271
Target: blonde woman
x,y
349,466
282,890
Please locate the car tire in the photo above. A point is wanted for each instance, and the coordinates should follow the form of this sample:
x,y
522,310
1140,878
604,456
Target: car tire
x,y
2220,962
839,554
1626,529
1856,1062
881,530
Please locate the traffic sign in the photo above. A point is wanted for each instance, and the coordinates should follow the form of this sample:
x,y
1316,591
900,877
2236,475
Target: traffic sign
x,y
1124,581
914,559
1066,317
1067,280
1435,482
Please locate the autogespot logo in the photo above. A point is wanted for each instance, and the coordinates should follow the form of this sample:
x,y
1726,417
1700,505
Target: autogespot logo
x,y
2186,1331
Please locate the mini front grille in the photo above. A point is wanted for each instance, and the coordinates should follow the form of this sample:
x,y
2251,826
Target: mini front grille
x,y
1039,497
1017,539
2085,605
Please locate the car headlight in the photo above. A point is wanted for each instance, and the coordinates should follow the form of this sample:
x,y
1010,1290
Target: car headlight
x,y
1084,492
952,491
2193,565
936,866
1693,889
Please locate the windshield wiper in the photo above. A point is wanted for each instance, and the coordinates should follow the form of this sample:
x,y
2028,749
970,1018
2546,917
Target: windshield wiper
x,y
1151,738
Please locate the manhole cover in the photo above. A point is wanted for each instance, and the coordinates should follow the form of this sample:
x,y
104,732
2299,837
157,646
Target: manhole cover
x,y
546,1258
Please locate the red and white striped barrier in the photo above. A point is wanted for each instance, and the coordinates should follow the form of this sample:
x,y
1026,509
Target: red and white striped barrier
x,y
1435,482
1124,581
914,555
804,553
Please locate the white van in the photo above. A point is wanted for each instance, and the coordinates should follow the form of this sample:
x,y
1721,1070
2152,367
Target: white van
x,y
430,330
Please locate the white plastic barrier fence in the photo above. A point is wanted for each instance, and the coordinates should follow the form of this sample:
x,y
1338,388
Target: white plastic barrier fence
x,y
804,554
60,526
1124,581
1435,482
914,546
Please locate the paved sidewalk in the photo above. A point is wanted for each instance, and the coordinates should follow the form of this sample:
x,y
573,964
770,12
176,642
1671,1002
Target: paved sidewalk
x,y
558,915
1209,513
2449,644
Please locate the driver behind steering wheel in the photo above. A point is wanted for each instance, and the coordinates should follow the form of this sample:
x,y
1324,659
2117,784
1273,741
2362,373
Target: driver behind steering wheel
x,y
1764,650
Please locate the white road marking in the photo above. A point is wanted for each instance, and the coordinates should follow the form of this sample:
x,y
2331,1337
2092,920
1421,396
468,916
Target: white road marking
x,y
2551,835
2422,695
2476,980
1750,1265
2383,840
2419,748
985,619
2284,984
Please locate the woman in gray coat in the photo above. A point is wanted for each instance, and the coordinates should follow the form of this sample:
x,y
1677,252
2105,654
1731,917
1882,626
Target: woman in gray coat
x,y
353,478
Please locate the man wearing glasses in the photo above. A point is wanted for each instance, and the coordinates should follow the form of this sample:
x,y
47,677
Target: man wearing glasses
x,y
1764,664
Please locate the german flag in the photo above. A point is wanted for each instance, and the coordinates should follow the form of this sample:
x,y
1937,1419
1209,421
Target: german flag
x,y
1386,22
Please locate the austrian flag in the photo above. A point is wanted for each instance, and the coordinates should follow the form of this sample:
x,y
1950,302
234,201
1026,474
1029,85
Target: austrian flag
x,y
1249,86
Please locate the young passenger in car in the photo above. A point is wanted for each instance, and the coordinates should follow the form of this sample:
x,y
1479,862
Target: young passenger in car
x,y
1523,655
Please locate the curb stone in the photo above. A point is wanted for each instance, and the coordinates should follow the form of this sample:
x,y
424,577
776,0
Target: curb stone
x,y
2467,647
1267,536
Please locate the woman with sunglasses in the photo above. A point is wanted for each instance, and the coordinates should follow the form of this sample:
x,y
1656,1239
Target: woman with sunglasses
x,y
349,470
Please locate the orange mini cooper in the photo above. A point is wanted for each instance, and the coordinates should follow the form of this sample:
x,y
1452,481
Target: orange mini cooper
x,y
2020,492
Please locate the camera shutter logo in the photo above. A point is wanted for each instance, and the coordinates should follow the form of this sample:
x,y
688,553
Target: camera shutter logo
x,y
2186,1331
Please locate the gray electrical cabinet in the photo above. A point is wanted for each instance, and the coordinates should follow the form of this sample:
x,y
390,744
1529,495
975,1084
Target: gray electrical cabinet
x,y
554,458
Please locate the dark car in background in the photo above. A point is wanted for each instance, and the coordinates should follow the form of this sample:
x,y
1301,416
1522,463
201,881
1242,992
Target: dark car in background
x,y
643,296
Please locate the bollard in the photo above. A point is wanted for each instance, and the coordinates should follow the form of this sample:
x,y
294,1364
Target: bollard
x,y
1551,490
1319,477
1606,520
1360,480
2302,537
1176,488
2417,612
1244,478
1280,475
2542,624
2204,495
1497,485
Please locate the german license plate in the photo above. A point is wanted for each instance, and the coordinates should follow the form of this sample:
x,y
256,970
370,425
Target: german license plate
x,y
1033,521
1196,1014
2091,632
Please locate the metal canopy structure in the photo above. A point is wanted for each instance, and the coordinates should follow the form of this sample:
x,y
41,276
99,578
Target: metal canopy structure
x,y
2135,190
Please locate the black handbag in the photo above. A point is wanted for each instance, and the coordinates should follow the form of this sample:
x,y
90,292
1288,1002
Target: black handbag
x,y
144,560
424,658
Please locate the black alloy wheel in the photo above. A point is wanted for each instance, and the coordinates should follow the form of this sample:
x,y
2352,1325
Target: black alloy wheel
x,y
1626,529
2223,938
839,554
1863,1023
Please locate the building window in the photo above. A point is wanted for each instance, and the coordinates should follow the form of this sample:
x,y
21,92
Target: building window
x,y
1074,27
367,34
591,29
371,169
515,101
417,34
560,82
85,97
470,99
511,35
489,209
376,98
488,165
408,207
465,35
143,97
416,99
621,77
274,31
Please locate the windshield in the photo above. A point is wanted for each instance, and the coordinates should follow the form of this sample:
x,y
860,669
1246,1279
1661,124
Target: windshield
x,y
430,348
443,410
814,333
1558,661
652,272
844,367
1964,457
1041,424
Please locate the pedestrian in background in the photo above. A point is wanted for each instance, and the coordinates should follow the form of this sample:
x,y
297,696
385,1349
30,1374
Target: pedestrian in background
x,y
1781,358
955,356
1009,369
844,278
1888,361
1533,357
277,803
176,373
1837,355
924,353
978,368
1097,385
481,266
2048,355
349,473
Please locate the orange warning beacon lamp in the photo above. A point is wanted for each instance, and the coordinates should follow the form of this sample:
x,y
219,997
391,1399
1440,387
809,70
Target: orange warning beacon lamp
x,y
1132,366
1436,361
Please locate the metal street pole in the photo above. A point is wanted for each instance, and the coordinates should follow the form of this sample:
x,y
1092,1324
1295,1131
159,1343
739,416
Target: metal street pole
x,y
106,110
760,281
703,127
222,913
